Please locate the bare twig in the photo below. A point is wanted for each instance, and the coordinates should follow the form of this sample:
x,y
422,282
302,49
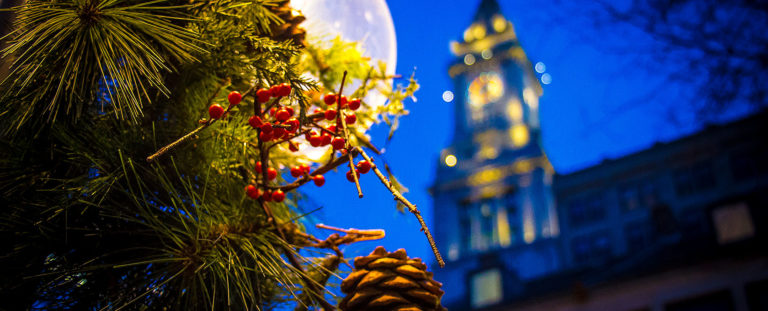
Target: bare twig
x,y
182,139
411,208
205,124
343,124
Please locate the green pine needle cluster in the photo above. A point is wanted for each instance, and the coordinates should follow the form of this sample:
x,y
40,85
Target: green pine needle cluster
x,y
64,50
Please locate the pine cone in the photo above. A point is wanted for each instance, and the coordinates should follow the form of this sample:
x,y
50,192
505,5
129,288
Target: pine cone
x,y
390,281
290,28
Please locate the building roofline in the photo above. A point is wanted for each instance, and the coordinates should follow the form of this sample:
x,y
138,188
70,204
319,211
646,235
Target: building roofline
x,y
708,130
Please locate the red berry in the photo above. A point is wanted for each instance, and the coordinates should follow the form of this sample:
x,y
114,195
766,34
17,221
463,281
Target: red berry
x,y
363,166
331,128
354,104
305,168
338,143
255,121
326,139
284,89
343,101
258,167
316,140
309,135
263,95
215,111
294,125
266,128
350,119
282,115
290,110
271,173
272,111
252,192
330,114
278,195
265,136
278,132
275,90
234,97
350,177
319,180
296,171
293,147
267,195
329,99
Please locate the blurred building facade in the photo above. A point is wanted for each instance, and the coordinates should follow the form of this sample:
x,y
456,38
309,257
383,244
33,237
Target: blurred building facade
x,y
679,226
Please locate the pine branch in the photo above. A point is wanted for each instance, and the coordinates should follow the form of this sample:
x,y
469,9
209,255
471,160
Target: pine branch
x,y
65,52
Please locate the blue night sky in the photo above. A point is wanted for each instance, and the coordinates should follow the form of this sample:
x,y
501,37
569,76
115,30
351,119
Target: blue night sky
x,y
599,105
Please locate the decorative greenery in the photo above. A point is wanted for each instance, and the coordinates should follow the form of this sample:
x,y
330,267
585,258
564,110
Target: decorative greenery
x,y
96,86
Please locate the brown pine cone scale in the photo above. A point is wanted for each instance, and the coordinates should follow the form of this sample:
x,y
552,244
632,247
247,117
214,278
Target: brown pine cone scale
x,y
390,281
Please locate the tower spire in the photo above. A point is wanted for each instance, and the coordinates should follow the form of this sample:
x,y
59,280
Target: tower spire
x,y
486,11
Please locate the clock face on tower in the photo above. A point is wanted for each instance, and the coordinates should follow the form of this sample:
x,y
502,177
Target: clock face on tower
x,y
486,88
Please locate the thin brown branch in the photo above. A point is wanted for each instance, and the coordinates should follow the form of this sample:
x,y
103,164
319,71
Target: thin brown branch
x,y
205,124
320,171
312,286
291,137
411,208
354,174
322,129
182,139
343,124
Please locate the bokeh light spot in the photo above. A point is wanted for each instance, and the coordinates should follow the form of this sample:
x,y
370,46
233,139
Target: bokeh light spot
x,y
448,96
469,59
450,160
486,54
546,78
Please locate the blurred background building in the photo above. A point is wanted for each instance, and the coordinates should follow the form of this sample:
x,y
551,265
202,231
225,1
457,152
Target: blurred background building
x,y
679,226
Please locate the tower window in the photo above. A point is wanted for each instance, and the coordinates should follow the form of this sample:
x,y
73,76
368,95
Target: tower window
x,y
519,135
636,196
586,210
486,288
694,179
489,224
591,248
733,223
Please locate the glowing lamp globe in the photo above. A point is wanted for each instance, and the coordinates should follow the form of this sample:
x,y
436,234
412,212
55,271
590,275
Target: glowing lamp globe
x,y
367,22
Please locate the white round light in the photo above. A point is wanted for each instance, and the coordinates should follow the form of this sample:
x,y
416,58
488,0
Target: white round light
x,y
546,78
448,96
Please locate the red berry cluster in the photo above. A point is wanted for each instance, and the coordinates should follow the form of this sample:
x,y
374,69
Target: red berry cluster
x,y
331,135
279,123
276,122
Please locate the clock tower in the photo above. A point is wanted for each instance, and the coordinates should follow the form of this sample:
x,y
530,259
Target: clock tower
x,y
494,210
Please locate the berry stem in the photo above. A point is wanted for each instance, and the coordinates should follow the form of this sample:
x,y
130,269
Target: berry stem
x,y
411,208
343,125
287,139
204,124
322,129
319,171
